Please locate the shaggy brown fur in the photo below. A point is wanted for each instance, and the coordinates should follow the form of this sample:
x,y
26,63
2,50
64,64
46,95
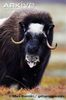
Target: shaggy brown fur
x,y
11,57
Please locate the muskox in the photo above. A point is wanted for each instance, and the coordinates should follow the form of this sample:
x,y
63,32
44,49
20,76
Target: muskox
x,y
25,47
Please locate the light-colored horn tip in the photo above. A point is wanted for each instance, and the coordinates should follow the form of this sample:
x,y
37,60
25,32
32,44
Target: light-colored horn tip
x,y
55,46
15,42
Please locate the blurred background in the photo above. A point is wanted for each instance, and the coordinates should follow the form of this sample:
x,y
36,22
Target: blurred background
x,y
57,9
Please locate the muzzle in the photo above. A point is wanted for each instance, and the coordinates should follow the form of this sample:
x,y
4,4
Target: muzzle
x,y
32,60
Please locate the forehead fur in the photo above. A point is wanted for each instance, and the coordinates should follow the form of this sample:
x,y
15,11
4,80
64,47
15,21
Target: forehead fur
x,y
36,28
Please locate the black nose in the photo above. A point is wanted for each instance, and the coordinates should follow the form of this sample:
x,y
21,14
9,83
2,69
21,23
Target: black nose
x,y
32,49
32,46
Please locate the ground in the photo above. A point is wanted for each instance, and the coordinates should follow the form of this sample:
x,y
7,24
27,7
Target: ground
x,y
50,86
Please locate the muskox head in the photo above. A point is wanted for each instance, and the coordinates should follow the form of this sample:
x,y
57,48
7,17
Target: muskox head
x,y
36,41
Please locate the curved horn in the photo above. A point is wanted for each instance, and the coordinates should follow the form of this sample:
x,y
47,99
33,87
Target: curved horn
x,y
15,42
51,47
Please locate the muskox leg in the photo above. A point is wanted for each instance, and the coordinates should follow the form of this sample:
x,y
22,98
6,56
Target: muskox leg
x,y
2,72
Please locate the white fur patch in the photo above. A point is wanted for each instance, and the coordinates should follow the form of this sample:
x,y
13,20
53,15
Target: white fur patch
x,y
32,60
36,28
31,65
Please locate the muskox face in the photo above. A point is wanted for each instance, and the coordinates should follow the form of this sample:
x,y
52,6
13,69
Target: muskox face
x,y
36,41
35,38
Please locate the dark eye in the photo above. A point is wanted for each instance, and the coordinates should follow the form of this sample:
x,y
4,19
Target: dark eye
x,y
28,36
41,37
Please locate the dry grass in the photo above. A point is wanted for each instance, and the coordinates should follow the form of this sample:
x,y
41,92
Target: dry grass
x,y
55,86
